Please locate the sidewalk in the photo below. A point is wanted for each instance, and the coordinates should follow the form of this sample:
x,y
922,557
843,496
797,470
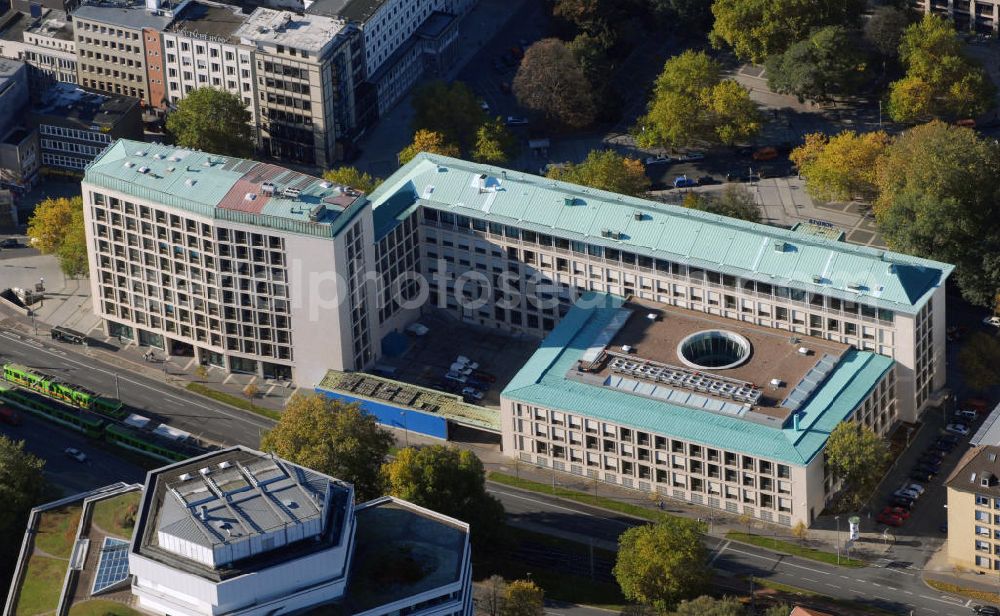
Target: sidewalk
x,y
938,569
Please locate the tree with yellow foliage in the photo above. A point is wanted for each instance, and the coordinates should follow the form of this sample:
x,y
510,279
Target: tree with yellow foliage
x,y
606,170
523,598
842,167
351,176
334,438
427,141
57,228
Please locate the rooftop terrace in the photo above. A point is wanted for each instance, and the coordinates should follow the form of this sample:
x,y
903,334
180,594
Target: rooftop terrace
x,y
88,108
597,220
772,366
132,14
552,378
225,188
313,33
209,20
402,550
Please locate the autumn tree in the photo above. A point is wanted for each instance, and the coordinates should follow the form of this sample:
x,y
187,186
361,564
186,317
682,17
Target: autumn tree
x,y
494,143
800,531
939,198
57,227
733,201
664,563
334,438
351,176
450,481
491,596
830,63
523,598
606,170
250,391
551,83
22,486
691,103
979,359
450,109
212,120
842,167
710,606
430,142
776,24
940,81
857,457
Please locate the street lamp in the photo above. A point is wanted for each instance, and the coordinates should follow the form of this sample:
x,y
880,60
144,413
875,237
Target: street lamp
x,y
837,518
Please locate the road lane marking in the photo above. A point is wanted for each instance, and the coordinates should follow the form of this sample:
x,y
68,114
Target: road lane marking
x,y
779,561
719,552
539,502
810,580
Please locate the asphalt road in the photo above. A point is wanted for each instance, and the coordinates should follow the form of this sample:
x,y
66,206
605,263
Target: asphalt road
x,y
200,416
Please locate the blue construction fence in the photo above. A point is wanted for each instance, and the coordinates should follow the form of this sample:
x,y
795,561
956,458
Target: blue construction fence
x,y
395,416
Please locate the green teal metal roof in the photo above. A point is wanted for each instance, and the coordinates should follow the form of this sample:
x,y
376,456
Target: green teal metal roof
x,y
542,381
218,187
883,279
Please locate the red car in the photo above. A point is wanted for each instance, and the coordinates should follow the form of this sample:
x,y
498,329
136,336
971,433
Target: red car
x,y
899,512
889,519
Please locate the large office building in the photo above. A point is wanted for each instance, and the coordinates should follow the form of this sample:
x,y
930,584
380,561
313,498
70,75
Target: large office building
x,y
978,15
305,84
44,42
240,532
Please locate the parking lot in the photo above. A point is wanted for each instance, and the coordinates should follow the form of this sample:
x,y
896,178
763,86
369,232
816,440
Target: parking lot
x,y
430,357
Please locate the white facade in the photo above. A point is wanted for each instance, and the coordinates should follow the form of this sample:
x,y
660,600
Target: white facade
x,y
390,26
47,47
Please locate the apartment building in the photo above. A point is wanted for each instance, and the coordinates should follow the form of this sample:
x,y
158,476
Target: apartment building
x,y
305,87
201,50
974,511
693,406
242,532
982,16
19,161
74,125
45,43
242,265
118,46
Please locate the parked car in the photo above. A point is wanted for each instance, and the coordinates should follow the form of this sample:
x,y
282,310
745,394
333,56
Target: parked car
x,y
915,487
693,156
993,321
957,428
10,242
985,610
897,511
683,181
766,153
907,493
967,414
471,393
462,359
901,501
76,454
889,520
456,377
658,160
516,121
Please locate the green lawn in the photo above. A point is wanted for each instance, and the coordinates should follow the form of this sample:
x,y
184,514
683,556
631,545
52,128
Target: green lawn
x,y
237,401
580,497
57,531
111,514
793,548
42,585
101,607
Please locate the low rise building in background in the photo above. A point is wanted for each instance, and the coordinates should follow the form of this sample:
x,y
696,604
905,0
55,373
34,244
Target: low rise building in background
x,y
238,531
19,148
973,500
44,40
74,125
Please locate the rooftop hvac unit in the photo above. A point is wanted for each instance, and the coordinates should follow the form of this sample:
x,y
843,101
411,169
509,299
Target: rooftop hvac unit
x,y
267,188
803,351
779,246
776,382
225,464
569,201
855,286
291,193
626,348
143,169
317,212
190,181
185,476
129,164
817,279
637,215
205,470
605,232
249,197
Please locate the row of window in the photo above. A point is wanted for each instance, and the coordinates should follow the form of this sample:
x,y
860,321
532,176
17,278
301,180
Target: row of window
x,y
74,133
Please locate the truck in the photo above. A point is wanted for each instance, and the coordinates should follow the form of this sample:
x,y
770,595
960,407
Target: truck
x,y
9,416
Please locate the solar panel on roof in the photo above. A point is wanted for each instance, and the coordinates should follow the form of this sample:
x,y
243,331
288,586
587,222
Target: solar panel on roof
x,y
112,568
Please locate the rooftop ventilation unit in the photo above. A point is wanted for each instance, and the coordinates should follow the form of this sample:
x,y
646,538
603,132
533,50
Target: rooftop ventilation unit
x,y
817,279
267,188
249,197
205,470
652,316
186,476
158,156
776,383
225,464
317,212
290,504
207,163
891,269
143,169
325,185
141,153
804,351
129,164
626,348
855,286
779,246
637,215
170,169
569,201
190,181
291,193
